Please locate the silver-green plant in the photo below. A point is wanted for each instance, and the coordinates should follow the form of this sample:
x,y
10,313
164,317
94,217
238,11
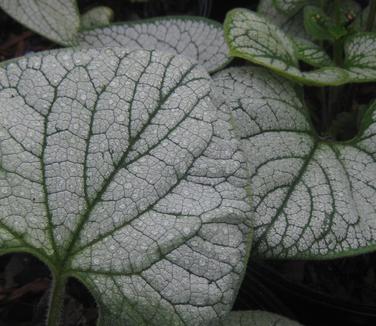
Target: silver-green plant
x,y
313,193
313,197
123,164
120,168
117,169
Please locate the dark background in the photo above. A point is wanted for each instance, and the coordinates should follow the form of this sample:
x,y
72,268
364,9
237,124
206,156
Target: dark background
x,y
316,293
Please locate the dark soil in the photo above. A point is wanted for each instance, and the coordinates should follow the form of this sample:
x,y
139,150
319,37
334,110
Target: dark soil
x,y
316,293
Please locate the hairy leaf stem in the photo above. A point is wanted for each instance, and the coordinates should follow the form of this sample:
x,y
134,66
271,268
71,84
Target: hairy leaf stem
x,y
56,300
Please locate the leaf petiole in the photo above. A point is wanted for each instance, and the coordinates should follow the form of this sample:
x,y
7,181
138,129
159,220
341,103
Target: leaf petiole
x,y
56,300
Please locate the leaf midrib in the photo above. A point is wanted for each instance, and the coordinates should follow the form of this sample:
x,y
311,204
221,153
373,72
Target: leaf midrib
x,y
85,216
148,208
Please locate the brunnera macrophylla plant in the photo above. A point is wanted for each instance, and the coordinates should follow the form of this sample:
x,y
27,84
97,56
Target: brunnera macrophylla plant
x,y
117,169
131,169
313,195
320,234
145,264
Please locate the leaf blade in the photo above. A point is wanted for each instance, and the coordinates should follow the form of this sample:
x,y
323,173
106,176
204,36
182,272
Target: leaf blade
x,y
56,20
360,59
306,191
197,38
253,38
161,233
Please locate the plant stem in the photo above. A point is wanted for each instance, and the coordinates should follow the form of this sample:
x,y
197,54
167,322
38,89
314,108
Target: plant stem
x,y
332,102
337,53
337,5
337,46
371,16
322,4
324,109
56,301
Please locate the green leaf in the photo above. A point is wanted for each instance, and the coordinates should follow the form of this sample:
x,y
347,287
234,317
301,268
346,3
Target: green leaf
x,y
57,20
253,38
118,170
312,198
320,26
289,7
256,318
195,37
97,17
311,53
360,57
349,11
292,25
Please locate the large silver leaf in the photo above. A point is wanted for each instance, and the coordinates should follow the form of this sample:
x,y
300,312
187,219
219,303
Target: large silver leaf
x,y
117,169
198,38
312,198
58,20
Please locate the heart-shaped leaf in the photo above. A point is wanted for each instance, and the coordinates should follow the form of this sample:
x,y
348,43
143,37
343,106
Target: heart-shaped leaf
x,y
360,52
198,38
312,198
320,26
117,169
256,318
251,37
349,11
97,17
57,20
